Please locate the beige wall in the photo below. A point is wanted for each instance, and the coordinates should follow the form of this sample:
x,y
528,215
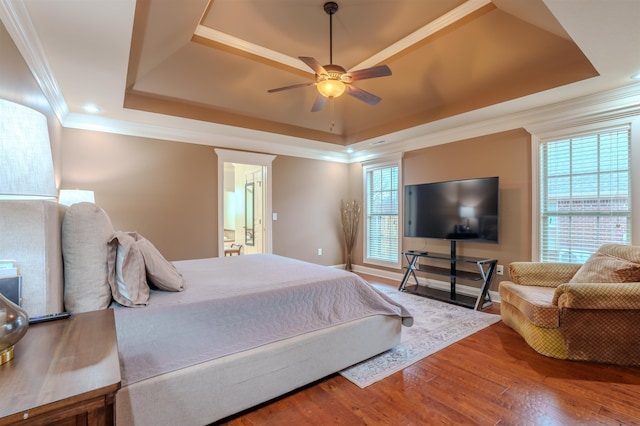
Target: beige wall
x,y
166,191
307,196
507,155
356,192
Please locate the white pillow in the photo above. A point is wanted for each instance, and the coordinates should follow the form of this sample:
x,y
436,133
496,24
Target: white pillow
x,y
86,230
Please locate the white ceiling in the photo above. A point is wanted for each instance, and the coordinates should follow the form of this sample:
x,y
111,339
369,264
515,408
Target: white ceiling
x,y
198,71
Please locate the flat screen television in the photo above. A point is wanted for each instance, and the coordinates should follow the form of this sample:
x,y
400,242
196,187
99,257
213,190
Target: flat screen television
x,y
454,210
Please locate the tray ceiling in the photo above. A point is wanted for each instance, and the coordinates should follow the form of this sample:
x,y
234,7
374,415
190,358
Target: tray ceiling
x,y
198,71
215,61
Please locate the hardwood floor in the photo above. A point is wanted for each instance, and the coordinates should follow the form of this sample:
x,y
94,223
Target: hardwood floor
x,y
489,378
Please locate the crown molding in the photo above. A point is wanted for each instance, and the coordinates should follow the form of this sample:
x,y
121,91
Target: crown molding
x,y
619,103
254,49
465,9
614,104
595,108
15,17
211,134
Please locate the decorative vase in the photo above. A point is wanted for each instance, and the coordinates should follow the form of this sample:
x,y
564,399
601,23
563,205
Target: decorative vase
x,y
348,266
14,323
350,212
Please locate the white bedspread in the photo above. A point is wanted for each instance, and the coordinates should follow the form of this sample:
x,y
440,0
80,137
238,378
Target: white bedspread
x,y
237,303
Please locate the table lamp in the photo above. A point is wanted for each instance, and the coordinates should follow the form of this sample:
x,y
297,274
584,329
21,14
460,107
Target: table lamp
x,y
467,213
26,173
68,197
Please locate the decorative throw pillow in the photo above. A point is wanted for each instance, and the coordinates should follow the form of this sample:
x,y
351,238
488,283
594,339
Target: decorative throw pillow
x,y
127,275
605,266
160,272
621,251
86,230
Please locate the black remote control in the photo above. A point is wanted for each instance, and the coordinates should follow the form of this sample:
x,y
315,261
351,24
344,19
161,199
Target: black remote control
x,y
50,317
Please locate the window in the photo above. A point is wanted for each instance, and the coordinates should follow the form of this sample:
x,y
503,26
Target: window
x,y
382,232
585,194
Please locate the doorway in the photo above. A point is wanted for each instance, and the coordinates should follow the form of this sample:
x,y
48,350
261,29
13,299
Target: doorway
x,y
244,221
244,201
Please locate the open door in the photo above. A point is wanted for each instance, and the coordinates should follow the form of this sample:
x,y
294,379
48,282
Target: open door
x,y
244,202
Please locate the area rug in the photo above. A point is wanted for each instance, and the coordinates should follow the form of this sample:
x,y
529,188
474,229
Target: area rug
x,y
436,326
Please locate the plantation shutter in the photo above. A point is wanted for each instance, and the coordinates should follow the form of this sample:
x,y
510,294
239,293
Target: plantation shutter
x,y
382,231
585,197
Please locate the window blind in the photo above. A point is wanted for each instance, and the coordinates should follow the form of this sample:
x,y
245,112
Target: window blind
x,y
382,231
585,197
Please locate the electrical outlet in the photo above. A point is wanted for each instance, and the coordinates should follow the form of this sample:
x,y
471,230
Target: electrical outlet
x,y
499,269
319,252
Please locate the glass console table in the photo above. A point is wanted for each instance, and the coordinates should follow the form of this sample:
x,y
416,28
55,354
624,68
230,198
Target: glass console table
x,y
485,272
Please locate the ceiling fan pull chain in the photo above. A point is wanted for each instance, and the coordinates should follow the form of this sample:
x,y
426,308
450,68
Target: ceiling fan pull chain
x,y
333,123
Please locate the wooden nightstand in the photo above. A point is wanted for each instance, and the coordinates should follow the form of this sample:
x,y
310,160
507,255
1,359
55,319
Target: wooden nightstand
x,y
65,372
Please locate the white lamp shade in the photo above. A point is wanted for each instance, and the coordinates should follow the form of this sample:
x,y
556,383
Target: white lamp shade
x,y
467,212
26,166
73,196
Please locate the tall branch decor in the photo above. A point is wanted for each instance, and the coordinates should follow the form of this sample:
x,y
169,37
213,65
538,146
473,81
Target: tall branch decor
x,y
350,217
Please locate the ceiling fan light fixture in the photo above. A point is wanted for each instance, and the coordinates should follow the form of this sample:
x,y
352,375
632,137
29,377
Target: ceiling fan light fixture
x,y
333,80
331,88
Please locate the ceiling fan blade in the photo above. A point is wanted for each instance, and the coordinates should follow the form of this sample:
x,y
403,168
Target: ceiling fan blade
x,y
293,86
319,103
362,95
373,72
313,64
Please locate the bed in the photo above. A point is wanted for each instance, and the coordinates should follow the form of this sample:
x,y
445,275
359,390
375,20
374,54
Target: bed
x,y
222,334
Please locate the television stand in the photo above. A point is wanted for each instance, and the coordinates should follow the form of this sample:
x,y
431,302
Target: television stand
x,y
485,272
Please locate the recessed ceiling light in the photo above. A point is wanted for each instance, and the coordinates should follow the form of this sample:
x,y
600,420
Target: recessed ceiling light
x,y
349,150
91,108
636,76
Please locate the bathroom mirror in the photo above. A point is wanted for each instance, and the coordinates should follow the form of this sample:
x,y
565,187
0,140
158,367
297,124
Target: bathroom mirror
x,y
248,215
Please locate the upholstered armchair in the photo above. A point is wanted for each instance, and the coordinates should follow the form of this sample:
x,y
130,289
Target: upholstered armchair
x,y
587,312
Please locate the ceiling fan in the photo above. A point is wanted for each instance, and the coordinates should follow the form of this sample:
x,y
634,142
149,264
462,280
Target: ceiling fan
x,y
333,80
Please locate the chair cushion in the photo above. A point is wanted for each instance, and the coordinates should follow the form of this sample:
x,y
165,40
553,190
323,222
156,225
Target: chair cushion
x,y
542,274
621,251
612,263
534,302
547,341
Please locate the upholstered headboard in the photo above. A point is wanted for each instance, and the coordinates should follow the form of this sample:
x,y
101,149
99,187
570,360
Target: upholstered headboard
x,y
30,235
